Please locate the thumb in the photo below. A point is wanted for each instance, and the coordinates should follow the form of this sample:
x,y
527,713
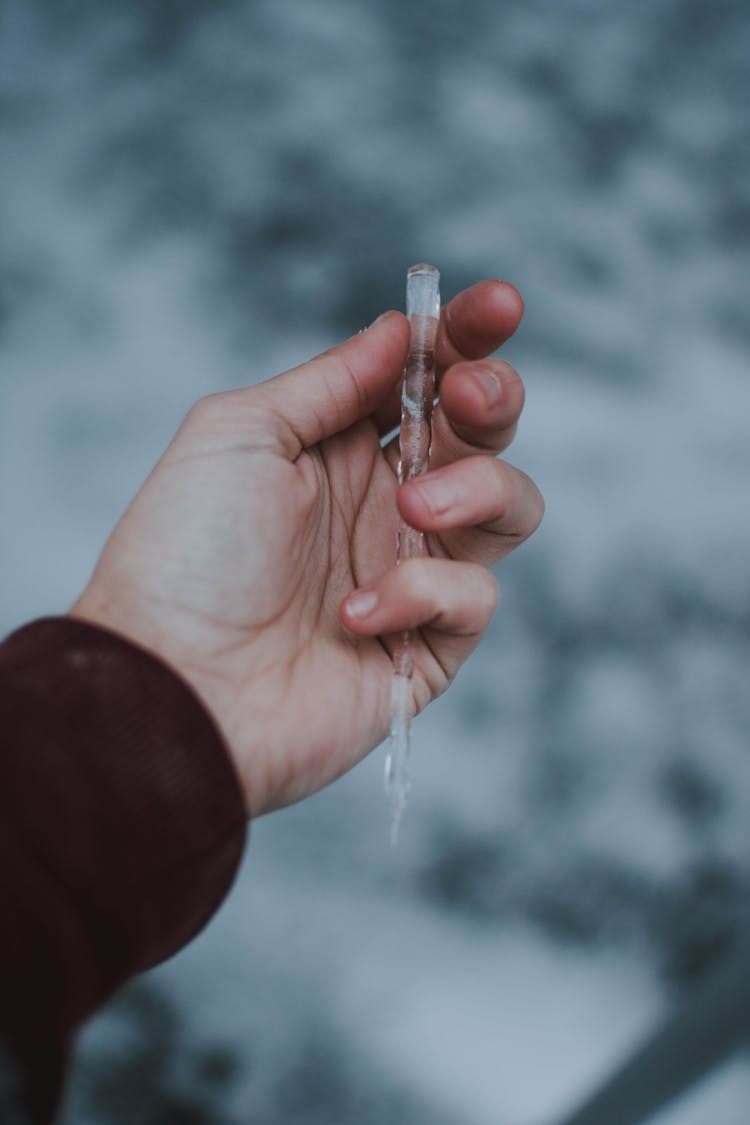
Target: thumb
x,y
341,386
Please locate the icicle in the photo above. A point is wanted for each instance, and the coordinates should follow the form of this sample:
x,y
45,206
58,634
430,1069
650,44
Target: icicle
x,y
418,392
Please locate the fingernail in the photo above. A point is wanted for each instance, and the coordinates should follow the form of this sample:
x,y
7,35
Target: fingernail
x,y
438,493
361,603
490,383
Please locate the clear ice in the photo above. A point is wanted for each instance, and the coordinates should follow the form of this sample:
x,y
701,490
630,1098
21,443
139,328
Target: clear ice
x,y
418,392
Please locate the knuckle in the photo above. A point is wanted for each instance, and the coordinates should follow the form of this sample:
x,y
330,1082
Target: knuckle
x,y
341,382
207,410
520,504
237,412
418,583
536,505
488,593
495,474
496,479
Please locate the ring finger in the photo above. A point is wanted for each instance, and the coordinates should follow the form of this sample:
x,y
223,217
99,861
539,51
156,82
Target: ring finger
x,y
477,509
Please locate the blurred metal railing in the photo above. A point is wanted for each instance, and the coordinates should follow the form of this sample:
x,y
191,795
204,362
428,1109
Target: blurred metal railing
x,y
706,1029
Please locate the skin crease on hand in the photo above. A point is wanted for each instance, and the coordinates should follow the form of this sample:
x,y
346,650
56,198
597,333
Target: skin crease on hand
x,y
258,557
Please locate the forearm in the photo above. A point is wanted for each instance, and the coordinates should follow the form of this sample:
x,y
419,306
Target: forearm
x,y
121,821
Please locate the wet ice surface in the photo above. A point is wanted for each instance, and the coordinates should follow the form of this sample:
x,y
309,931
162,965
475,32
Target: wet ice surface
x,y
172,184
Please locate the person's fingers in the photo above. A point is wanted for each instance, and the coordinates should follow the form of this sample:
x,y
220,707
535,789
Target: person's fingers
x,y
480,404
478,412
476,322
359,377
472,325
337,388
481,508
453,597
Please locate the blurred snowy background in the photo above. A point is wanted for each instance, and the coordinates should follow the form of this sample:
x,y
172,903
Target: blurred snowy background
x,y
195,195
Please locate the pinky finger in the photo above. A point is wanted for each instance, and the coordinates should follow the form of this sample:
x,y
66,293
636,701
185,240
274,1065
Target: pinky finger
x,y
456,598
447,603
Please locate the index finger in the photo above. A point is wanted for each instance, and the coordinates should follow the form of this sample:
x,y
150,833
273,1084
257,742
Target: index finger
x,y
476,322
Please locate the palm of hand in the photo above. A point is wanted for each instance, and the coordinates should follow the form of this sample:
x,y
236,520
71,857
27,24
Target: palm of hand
x,y
336,532
310,533
245,597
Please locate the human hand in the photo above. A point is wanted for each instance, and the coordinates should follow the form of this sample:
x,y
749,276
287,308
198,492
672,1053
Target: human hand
x,y
258,557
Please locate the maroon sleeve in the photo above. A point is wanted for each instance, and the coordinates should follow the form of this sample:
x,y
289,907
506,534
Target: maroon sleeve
x,y
122,822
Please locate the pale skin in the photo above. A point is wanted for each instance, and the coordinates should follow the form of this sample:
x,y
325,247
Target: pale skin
x,y
258,557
